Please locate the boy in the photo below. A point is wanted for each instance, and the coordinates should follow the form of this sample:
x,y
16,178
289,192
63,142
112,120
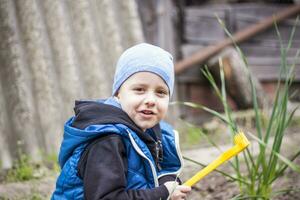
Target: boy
x,y
119,148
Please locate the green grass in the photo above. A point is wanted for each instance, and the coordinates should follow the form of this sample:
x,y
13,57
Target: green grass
x,y
22,170
260,172
25,169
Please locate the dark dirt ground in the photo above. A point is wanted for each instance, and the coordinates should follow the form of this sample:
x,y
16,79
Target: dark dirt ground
x,y
216,187
212,187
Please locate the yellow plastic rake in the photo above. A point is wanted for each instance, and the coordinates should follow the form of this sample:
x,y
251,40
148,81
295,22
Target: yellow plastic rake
x,y
240,141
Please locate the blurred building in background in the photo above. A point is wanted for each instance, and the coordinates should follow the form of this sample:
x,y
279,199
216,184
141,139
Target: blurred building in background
x,y
54,52
194,27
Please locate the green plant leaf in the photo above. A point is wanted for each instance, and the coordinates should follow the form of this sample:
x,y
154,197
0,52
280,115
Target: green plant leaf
x,y
281,157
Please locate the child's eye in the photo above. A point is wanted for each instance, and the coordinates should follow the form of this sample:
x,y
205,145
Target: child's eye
x,y
162,93
139,89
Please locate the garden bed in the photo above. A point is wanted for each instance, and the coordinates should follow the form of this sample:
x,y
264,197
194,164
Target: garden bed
x,y
213,187
216,187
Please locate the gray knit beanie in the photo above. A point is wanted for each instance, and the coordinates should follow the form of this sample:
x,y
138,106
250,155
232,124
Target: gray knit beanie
x,y
144,57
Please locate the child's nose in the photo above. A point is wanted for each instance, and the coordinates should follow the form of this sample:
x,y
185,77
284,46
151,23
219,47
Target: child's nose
x,y
150,99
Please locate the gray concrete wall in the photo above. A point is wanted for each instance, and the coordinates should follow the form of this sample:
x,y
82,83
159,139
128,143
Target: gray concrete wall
x,y
53,52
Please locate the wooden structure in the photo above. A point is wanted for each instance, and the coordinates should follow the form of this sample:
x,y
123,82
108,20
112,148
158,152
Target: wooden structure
x,y
236,38
263,50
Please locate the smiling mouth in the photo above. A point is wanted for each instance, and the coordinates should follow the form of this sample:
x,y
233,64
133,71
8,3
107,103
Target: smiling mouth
x,y
147,112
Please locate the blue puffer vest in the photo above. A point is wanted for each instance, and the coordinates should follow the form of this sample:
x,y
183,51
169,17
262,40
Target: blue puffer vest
x,y
142,171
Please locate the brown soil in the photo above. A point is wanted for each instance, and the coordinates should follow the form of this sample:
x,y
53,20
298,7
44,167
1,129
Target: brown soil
x,y
212,187
216,187
37,189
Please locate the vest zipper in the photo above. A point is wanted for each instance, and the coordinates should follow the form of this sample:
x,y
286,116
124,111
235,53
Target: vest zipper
x,y
176,137
159,154
139,151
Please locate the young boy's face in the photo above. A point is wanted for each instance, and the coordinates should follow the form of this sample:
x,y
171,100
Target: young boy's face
x,y
144,96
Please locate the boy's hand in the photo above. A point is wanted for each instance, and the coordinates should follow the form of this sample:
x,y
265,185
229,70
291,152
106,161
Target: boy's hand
x,y
177,191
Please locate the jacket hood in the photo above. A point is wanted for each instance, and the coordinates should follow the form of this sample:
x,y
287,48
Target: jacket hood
x,y
95,118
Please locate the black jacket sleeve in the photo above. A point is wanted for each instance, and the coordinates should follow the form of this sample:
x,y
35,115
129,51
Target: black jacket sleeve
x,y
105,174
167,178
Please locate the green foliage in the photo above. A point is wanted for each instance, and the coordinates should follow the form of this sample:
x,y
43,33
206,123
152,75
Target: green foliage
x,y
22,170
191,136
25,169
194,136
255,181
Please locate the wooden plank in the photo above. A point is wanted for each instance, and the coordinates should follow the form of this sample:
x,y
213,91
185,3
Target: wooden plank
x,y
271,73
271,61
189,49
247,16
264,67
257,9
284,29
191,75
259,50
272,43
203,27
259,16
194,11
255,54
261,72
